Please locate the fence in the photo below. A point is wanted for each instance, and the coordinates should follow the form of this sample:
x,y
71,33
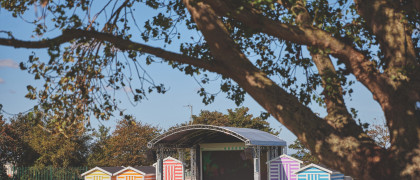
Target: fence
x,y
47,173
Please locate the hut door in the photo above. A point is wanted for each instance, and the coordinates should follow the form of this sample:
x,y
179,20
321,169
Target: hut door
x,y
97,177
169,172
284,171
130,177
312,176
172,171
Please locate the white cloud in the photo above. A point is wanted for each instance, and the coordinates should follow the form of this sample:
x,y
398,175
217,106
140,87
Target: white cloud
x,y
124,88
8,63
127,89
1,81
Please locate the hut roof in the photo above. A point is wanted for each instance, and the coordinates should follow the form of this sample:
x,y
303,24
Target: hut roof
x,y
139,169
146,169
106,170
319,166
285,155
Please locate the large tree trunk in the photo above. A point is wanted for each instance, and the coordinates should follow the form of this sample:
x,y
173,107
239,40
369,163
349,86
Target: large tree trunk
x,y
345,148
404,121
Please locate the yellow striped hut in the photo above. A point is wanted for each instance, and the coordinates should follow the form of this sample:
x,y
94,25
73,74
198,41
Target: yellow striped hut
x,y
101,173
136,173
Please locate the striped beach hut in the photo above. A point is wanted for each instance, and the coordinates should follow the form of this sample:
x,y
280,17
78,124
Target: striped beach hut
x,y
136,173
283,168
173,169
101,173
318,172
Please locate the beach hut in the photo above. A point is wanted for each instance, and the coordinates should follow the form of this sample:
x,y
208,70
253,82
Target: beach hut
x,y
136,173
173,169
318,172
283,168
101,173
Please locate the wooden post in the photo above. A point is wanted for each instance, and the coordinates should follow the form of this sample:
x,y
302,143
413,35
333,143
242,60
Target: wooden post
x,y
257,169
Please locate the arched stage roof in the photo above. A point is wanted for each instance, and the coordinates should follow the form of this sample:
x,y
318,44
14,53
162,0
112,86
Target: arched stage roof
x,y
187,136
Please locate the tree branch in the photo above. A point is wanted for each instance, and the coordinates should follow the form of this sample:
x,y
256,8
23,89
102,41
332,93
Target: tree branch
x,y
120,43
310,129
364,70
390,29
338,115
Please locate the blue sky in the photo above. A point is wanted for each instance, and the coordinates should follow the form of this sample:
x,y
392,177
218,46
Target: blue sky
x,y
162,110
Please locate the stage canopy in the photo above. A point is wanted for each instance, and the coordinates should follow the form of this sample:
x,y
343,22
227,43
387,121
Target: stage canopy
x,y
188,136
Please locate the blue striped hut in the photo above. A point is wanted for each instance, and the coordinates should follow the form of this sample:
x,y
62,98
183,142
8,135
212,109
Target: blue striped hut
x,y
318,172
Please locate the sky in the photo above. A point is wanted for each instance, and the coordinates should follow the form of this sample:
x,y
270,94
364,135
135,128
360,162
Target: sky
x,y
163,110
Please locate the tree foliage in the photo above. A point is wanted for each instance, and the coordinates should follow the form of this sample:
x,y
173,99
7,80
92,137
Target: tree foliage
x,y
127,146
238,117
99,151
380,134
303,153
58,150
14,141
284,54
26,143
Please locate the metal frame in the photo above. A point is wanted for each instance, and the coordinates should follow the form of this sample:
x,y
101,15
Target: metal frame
x,y
165,149
152,143
257,165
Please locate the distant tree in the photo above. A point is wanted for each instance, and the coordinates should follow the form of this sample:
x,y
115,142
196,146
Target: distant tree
x,y
128,144
234,118
25,141
380,134
303,153
99,153
58,150
14,143
5,143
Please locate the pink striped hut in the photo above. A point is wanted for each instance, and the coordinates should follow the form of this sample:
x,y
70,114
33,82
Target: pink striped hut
x,y
173,169
283,168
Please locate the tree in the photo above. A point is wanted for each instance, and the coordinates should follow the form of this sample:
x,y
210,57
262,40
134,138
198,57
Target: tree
x,y
234,118
128,144
380,134
25,141
58,150
303,153
99,154
377,42
5,142
15,141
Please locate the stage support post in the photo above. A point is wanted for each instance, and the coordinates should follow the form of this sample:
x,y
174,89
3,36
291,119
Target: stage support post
x,y
257,169
159,165
193,165
276,151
